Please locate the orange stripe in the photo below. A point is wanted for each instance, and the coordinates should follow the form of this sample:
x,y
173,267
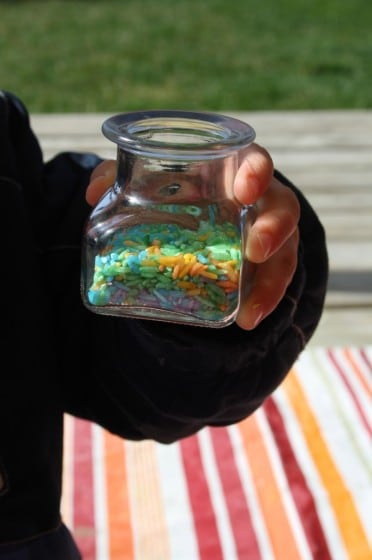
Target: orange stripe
x,y
147,503
119,522
362,380
269,495
340,498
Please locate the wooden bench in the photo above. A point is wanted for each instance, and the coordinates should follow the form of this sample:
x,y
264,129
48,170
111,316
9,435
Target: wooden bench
x,y
328,154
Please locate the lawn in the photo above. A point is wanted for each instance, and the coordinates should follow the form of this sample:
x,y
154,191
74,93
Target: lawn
x,y
116,55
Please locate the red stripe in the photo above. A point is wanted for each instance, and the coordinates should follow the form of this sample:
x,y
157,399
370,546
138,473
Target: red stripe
x,y
301,493
203,514
83,520
241,523
354,398
363,353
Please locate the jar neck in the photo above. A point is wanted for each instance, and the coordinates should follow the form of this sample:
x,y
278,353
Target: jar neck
x,y
176,180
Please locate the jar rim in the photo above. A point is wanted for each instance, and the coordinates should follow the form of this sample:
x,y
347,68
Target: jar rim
x,y
177,133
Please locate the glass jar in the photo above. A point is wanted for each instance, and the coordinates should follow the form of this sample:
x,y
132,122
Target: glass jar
x,y
168,240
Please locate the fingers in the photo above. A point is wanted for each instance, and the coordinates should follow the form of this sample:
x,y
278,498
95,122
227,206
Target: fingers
x,y
273,245
278,215
269,285
102,177
254,175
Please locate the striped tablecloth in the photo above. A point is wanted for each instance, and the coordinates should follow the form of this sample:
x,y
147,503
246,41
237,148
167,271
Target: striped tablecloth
x,y
293,481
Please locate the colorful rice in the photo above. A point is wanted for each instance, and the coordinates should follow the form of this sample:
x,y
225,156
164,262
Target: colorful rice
x,y
170,267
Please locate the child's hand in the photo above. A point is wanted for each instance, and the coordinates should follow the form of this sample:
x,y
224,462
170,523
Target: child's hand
x,y
273,238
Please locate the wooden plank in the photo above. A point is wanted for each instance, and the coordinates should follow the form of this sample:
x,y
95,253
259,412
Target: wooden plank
x,y
344,326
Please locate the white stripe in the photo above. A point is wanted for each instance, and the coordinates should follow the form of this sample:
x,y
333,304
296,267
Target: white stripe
x,y
249,489
310,472
346,439
177,509
217,496
67,501
278,473
360,393
130,454
100,494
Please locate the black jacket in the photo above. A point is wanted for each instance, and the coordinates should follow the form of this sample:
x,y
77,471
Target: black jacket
x,y
137,378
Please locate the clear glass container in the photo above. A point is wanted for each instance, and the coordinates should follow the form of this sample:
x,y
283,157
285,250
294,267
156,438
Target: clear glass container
x,y
167,241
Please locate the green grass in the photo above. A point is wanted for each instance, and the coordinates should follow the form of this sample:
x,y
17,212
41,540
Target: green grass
x,y
116,55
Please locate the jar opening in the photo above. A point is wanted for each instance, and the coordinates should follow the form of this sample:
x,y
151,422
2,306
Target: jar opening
x,y
174,133
188,132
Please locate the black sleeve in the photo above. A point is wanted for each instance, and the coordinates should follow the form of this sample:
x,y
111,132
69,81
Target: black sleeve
x,y
144,379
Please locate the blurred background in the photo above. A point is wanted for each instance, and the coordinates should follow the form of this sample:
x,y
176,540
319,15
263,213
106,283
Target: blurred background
x,y
240,55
